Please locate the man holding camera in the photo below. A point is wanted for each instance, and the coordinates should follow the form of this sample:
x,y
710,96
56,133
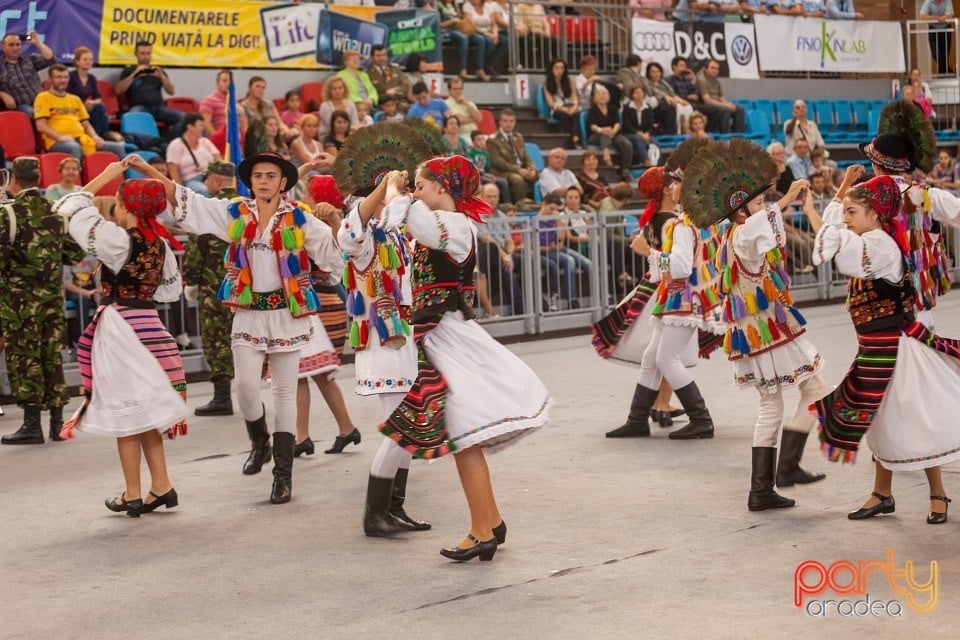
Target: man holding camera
x,y
144,85
19,75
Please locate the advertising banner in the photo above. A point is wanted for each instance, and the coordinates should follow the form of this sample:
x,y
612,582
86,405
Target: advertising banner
x,y
814,44
730,44
236,34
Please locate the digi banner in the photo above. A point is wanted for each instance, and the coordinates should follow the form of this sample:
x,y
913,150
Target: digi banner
x,y
731,44
233,34
814,44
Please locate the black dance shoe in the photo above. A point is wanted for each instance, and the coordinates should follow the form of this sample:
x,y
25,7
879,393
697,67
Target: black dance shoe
x,y
484,549
939,518
342,441
168,500
132,507
663,418
305,447
886,505
500,532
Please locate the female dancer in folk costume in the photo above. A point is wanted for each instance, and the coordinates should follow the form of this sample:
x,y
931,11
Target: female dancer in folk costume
x,y
765,336
494,398
377,275
268,283
320,359
684,304
130,364
909,424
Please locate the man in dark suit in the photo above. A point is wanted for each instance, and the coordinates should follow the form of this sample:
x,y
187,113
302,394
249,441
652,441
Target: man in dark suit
x,y
387,77
509,159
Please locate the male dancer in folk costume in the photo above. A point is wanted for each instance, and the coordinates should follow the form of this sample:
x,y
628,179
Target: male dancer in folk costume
x,y
683,304
494,398
909,423
377,276
130,365
268,283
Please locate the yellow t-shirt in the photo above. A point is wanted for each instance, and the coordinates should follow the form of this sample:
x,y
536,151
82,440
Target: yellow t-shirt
x,y
64,115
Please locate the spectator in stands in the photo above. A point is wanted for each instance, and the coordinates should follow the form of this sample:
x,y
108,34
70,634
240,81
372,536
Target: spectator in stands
x,y
339,132
711,93
578,220
595,187
944,173
818,158
555,177
213,107
335,98
482,14
842,10
651,9
457,28
258,107
604,129
625,264
909,94
715,10
416,72
219,137
562,100
388,78
682,12
80,289
555,257
684,84
751,7
291,113
920,87
359,87
19,74
273,129
307,146
638,120
363,115
663,112
785,7
452,142
778,153
390,107
800,163
477,153
83,84
698,125
586,81
495,256
940,34
799,127
69,171
425,107
464,109
508,157
661,90
822,190
534,32
63,121
189,155
144,84
813,8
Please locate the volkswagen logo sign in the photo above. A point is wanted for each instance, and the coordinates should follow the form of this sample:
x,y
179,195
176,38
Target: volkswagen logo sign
x,y
652,41
742,50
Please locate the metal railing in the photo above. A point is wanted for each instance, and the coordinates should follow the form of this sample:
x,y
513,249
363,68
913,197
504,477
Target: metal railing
x,y
928,49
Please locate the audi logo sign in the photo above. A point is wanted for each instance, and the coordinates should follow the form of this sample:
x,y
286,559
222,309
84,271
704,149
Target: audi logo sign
x,y
653,41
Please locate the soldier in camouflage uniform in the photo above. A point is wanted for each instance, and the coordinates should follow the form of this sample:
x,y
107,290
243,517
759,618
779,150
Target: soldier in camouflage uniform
x,y
203,271
31,273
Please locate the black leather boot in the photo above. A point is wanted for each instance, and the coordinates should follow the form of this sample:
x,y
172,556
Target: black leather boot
x,y
762,495
701,424
789,472
397,498
283,444
259,445
30,432
638,423
221,404
56,424
377,519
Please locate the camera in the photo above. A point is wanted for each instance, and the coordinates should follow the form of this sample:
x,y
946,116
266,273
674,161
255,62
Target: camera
x,y
147,70
25,37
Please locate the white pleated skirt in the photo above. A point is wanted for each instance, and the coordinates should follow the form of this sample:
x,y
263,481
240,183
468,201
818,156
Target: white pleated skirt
x,y
785,366
383,369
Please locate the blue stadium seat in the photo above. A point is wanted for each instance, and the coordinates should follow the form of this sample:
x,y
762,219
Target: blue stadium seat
x,y
537,192
861,111
823,113
543,109
873,120
130,174
878,105
766,106
377,116
139,122
669,141
757,123
844,114
746,103
583,127
535,154
630,225
784,111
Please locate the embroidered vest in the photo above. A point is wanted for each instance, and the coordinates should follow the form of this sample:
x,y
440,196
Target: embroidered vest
x,y
375,293
286,240
758,306
138,279
441,285
926,257
697,294
878,305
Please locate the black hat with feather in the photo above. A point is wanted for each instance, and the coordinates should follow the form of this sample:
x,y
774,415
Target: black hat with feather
x,y
905,139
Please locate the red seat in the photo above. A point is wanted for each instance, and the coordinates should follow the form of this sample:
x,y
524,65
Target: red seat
x,y
110,101
310,92
94,164
488,124
50,168
576,28
46,84
280,104
185,104
17,135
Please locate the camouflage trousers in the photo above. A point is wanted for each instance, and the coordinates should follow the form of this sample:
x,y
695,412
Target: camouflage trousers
x,y
34,335
216,322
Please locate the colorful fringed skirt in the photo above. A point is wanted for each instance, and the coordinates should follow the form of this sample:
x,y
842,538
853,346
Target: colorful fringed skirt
x,y
132,374
903,392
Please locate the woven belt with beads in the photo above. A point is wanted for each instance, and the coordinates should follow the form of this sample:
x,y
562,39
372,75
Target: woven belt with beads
x,y
268,300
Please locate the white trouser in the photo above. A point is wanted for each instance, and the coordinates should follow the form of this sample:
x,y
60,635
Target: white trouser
x,y
683,112
771,413
284,367
390,456
663,357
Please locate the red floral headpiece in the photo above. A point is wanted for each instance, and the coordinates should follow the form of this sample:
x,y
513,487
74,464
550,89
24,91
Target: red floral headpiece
x,y
324,189
461,179
883,196
650,186
145,199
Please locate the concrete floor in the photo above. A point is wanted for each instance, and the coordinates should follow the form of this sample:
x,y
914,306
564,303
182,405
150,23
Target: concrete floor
x,y
607,539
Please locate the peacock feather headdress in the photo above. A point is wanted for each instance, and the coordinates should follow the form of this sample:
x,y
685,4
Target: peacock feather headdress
x,y
724,177
430,133
905,139
373,151
680,157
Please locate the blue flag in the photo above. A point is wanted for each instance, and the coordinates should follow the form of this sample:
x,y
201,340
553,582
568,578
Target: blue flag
x,y
234,146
